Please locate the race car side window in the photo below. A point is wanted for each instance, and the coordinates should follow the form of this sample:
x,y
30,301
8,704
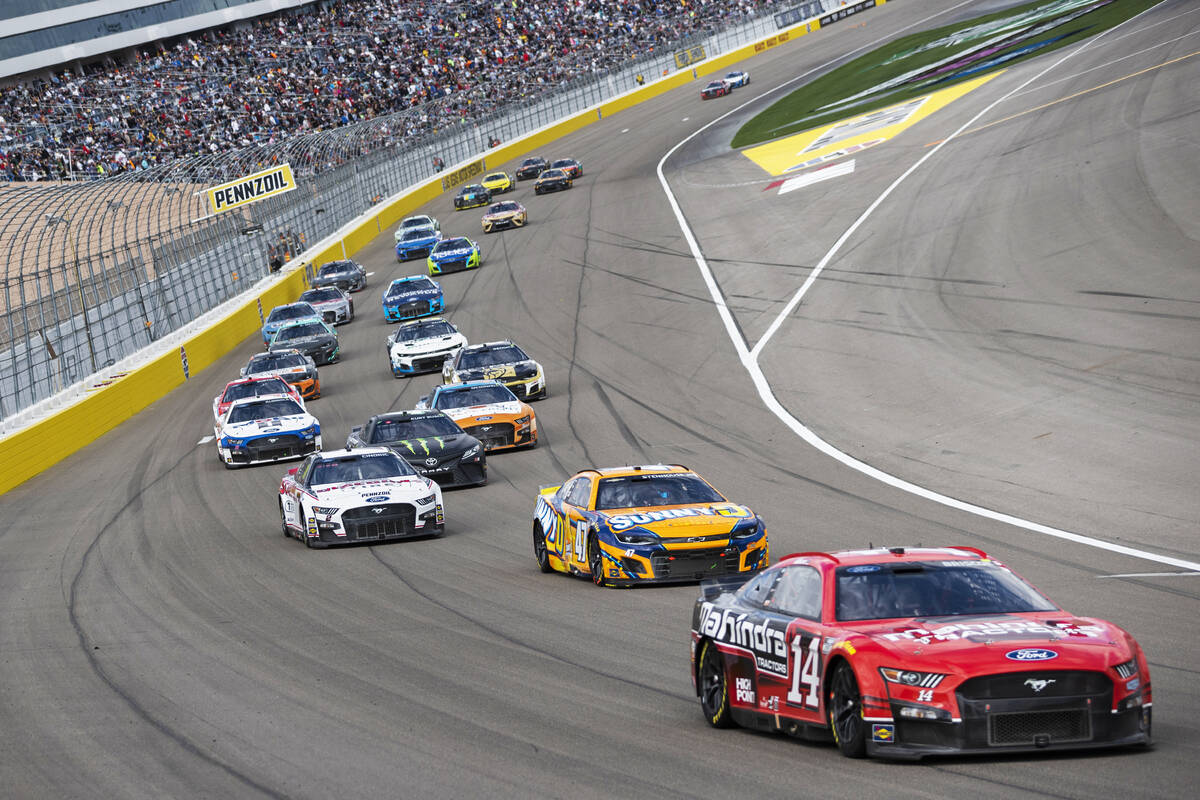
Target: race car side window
x,y
798,593
305,470
580,491
755,592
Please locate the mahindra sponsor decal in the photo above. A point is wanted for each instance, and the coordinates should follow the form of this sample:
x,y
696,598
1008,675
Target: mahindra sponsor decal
x,y
994,630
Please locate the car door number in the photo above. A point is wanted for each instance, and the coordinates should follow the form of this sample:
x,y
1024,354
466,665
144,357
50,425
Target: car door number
x,y
804,665
580,539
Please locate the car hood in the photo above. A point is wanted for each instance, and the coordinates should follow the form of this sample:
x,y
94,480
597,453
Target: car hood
x,y
405,296
521,369
381,490
274,326
307,341
485,412
427,445
257,427
457,252
421,241
273,372
680,521
430,345
337,301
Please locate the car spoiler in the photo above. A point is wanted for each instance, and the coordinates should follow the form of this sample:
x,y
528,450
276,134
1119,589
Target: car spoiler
x,y
712,588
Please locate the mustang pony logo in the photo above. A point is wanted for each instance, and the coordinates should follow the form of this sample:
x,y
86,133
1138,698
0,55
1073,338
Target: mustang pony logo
x,y
1038,684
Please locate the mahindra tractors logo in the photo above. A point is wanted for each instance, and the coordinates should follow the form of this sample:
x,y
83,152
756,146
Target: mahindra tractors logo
x,y
1038,684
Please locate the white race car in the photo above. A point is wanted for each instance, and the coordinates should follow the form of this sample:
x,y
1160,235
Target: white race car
x,y
419,221
365,495
423,345
272,427
336,305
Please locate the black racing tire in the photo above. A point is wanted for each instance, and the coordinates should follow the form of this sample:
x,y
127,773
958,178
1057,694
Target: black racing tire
x,y
596,560
287,533
845,713
714,687
541,552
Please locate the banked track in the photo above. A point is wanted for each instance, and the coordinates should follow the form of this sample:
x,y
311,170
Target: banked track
x,y
1017,328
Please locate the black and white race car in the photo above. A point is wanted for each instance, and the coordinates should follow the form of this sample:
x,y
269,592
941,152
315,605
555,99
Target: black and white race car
x,y
428,440
366,495
258,430
423,345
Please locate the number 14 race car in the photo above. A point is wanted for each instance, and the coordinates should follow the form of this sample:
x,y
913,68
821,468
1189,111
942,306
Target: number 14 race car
x,y
908,653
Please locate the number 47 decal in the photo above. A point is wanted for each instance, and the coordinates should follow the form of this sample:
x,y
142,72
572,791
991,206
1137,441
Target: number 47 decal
x,y
804,672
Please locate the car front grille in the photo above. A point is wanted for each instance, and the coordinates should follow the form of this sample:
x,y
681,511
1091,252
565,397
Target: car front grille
x,y
417,308
1044,727
1035,684
453,265
425,363
370,523
282,447
493,435
695,565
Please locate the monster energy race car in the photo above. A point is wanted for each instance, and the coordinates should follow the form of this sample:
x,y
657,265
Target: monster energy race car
x,y
430,442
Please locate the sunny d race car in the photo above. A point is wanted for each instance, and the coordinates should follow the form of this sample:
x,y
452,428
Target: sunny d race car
x,y
282,315
531,168
497,182
259,430
647,524
910,652
312,337
453,255
334,304
242,388
715,89
422,346
349,496
416,243
411,297
488,411
500,361
417,221
347,275
430,442
505,214
291,365
552,180
471,196
568,165
736,79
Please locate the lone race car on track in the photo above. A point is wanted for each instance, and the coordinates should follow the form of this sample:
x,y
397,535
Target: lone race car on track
x,y
453,255
736,79
416,243
282,315
497,182
347,275
648,524
367,495
259,430
334,304
293,366
412,297
471,196
488,411
552,180
430,442
242,388
312,337
904,653
715,89
531,168
505,214
500,361
417,221
568,165
422,345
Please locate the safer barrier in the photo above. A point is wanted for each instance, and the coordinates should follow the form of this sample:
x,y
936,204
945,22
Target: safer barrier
x,y
28,452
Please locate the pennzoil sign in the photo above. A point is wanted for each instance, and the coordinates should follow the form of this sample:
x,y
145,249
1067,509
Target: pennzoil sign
x,y
251,188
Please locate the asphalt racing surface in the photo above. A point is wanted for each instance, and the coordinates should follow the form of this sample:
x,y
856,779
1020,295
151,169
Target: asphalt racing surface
x,y
1014,326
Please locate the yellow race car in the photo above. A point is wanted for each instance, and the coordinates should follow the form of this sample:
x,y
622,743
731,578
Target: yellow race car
x,y
647,524
505,214
497,182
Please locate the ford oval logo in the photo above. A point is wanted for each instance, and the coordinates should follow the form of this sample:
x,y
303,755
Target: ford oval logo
x,y
1030,654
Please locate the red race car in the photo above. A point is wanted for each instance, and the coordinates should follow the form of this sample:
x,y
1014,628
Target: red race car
x,y
905,653
715,89
251,387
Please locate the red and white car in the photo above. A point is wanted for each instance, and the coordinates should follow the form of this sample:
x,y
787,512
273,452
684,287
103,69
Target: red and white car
x,y
905,653
250,387
715,89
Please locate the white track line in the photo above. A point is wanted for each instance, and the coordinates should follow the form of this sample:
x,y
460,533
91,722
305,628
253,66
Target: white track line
x,y
1150,575
205,440
749,358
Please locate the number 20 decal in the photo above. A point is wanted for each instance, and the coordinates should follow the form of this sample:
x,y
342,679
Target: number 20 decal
x,y
805,663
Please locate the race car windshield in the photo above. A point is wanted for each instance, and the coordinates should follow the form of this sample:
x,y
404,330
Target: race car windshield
x,y
301,331
933,589
268,362
417,222
500,208
239,391
473,189
532,162
321,295
562,163
267,409
372,466
648,491
715,85
447,245
554,173
496,176
282,313
424,330
398,430
400,289
474,359
413,234
475,396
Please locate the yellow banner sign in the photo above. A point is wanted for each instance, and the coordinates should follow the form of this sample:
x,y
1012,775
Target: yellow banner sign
x,y
251,188
463,174
692,55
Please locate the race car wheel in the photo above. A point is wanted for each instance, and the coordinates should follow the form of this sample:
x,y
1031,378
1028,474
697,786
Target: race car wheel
x,y
595,560
714,694
283,522
845,713
540,552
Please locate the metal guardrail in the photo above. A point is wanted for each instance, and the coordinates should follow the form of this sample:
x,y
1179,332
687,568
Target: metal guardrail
x,y
95,270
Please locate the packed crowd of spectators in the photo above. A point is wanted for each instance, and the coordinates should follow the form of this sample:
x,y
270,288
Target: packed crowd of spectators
x,y
320,67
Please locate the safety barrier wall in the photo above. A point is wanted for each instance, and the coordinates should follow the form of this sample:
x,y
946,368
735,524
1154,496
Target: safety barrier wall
x,y
28,452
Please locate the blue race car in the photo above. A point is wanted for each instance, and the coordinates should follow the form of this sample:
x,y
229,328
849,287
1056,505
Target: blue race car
x,y
416,242
412,297
452,255
285,315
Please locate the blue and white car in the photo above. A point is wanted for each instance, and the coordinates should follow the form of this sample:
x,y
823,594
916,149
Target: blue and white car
x,y
416,243
417,221
412,297
285,315
260,430
423,345
736,79
453,255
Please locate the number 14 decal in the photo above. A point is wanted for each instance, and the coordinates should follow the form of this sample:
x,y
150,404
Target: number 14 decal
x,y
805,662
